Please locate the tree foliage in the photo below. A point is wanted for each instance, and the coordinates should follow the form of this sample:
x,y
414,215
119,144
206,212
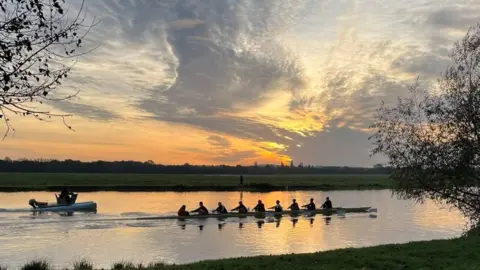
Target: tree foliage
x,y
35,37
432,138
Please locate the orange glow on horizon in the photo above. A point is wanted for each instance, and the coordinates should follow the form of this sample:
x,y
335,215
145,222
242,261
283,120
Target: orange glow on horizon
x,y
161,142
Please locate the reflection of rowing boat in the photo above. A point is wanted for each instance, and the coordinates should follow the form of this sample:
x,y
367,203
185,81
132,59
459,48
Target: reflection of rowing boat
x,y
272,213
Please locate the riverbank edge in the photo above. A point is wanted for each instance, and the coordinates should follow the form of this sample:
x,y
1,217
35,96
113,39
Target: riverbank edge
x,y
184,188
455,253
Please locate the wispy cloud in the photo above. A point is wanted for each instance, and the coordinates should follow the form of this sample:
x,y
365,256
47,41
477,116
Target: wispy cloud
x,y
85,110
218,141
286,78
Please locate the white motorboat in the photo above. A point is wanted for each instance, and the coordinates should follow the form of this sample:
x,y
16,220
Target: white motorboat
x,y
61,206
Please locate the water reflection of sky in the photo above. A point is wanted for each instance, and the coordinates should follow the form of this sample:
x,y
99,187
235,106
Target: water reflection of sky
x,y
65,239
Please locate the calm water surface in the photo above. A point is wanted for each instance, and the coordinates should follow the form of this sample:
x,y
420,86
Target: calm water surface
x,y
64,239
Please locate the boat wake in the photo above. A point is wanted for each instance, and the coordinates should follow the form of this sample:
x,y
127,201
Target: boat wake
x,y
98,226
14,210
135,214
142,225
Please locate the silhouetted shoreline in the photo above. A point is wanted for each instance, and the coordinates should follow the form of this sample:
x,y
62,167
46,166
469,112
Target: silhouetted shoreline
x,y
181,188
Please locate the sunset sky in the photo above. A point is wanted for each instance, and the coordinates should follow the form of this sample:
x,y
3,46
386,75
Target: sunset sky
x,y
234,82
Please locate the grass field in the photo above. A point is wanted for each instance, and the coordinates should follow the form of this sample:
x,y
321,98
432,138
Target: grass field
x,y
175,182
461,253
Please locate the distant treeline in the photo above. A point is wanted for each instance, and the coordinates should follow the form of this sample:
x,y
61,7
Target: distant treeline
x,y
75,166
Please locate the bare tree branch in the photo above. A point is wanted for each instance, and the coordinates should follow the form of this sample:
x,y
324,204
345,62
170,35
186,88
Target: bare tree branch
x,y
35,36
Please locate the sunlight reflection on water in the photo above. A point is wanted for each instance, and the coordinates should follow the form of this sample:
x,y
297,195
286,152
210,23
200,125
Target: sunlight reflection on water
x,y
64,239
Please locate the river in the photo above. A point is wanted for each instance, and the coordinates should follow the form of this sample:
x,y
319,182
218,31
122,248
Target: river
x,y
65,239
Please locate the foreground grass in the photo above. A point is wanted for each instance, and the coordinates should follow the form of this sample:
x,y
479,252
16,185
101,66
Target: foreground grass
x,y
461,253
163,182
437,254
37,265
82,265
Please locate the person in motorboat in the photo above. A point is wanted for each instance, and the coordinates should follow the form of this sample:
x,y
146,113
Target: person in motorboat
x,y
64,197
327,204
277,207
83,206
182,212
240,208
260,207
221,209
294,206
201,210
310,206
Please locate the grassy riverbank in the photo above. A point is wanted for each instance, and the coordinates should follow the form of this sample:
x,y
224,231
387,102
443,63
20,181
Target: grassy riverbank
x,y
194,182
461,253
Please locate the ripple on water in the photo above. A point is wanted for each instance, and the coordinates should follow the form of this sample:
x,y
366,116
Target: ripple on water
x,y
113,233
135,214
25,217
143,224
97,226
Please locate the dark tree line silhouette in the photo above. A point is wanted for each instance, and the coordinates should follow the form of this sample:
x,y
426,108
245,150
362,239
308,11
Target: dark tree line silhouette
x,y
149,167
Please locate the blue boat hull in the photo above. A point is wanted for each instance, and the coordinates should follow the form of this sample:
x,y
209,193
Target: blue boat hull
x,y
83,206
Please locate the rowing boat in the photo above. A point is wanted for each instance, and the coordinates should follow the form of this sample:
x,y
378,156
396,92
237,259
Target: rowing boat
x,y
268,213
